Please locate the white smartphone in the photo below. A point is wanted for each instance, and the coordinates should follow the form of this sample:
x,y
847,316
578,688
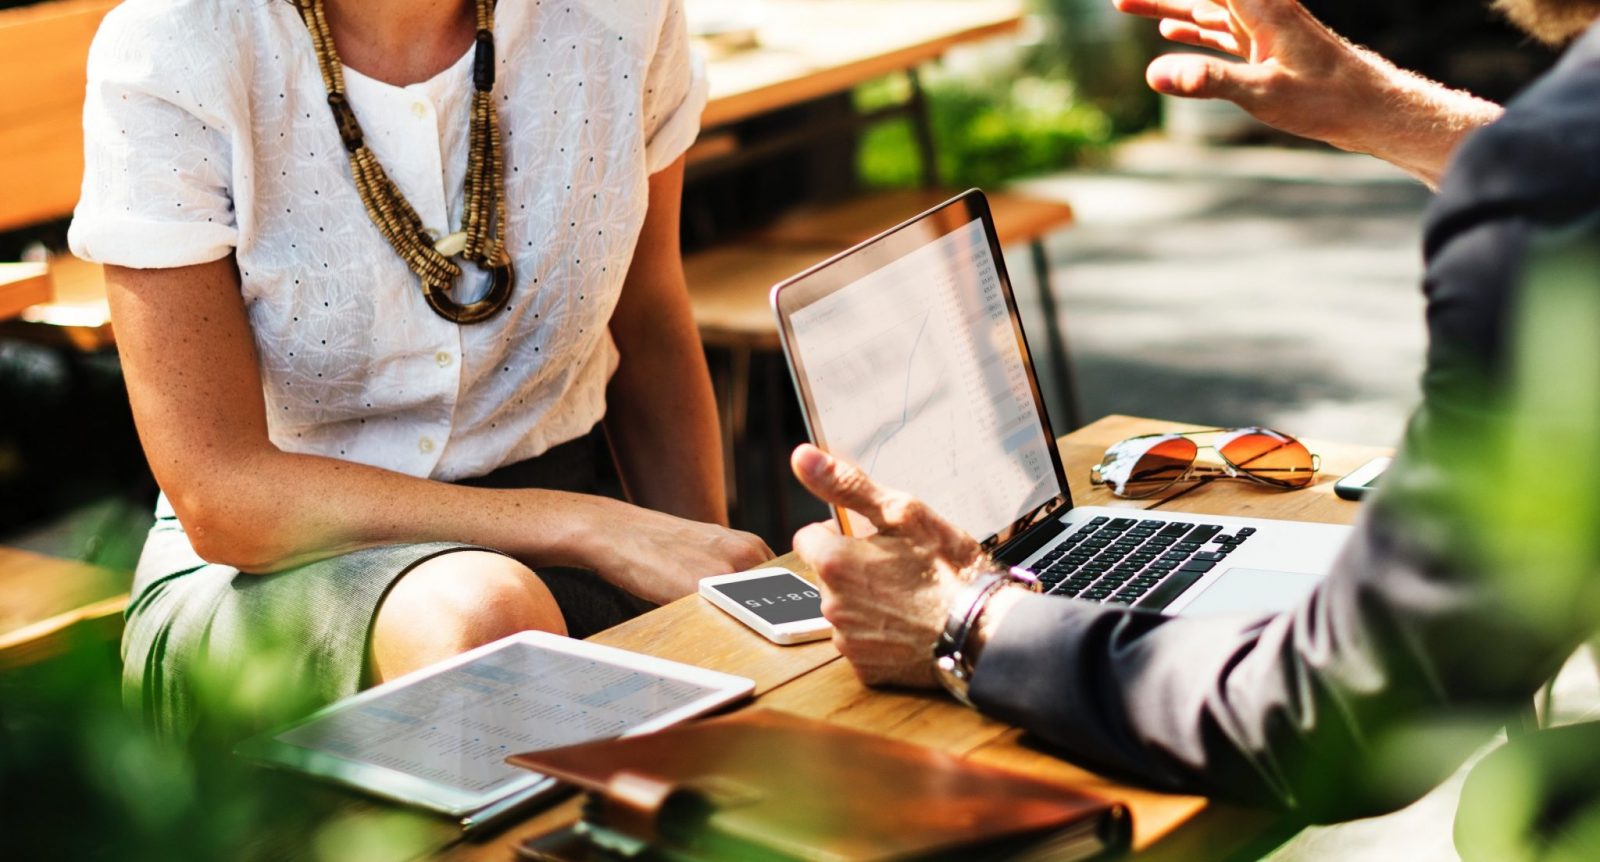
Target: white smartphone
x,y
1356,484
779,604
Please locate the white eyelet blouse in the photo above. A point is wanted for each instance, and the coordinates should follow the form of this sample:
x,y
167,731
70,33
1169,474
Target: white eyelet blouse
x,y
208,133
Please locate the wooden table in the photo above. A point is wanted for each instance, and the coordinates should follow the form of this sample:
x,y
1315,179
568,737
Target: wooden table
x,y
45,600
810,48
812,680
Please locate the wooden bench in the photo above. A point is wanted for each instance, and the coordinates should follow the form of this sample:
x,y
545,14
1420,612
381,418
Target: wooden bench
x,y
1018,218
47,605
22,285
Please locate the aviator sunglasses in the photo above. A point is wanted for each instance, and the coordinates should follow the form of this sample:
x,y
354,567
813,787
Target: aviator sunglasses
x,y
1151,463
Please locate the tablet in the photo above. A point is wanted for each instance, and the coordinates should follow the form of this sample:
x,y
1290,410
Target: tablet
x,y
438,738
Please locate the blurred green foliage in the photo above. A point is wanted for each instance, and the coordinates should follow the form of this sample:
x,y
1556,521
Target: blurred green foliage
x,y
1530,503
1044,107
984,134
81,777
1104,54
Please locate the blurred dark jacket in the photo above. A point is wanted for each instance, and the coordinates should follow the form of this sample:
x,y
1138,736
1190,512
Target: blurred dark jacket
x,y
1427,636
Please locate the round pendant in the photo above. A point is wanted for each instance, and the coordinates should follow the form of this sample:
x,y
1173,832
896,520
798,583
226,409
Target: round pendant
x,y
501,279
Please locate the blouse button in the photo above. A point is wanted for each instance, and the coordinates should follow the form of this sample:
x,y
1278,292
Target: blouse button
x,y
444,358
425,445
419,110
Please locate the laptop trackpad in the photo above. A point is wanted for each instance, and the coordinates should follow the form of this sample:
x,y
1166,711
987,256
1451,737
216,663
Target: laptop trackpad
x,y
1251,590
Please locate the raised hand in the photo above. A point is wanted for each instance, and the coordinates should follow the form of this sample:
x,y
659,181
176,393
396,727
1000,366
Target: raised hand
x,y
1290,58
1301,77
887,595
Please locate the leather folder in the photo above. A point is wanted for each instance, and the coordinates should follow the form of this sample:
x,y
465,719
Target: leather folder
x,y
764,785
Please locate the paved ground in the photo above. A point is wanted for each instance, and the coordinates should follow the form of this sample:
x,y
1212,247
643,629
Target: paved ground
x,y
1242,286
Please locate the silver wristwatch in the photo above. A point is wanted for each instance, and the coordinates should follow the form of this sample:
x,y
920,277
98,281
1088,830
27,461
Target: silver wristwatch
x,y
952,663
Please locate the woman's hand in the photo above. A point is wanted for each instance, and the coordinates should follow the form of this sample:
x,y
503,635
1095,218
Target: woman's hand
x,y
887,595
660,557
1301,77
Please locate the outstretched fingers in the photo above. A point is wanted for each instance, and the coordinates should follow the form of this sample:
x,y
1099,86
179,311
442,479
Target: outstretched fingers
x,y
1201,12
1186,33
1199,77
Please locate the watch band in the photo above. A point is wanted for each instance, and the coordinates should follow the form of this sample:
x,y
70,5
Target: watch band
x,y
951,662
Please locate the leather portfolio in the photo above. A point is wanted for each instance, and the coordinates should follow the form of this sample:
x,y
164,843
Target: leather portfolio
x,y
764,785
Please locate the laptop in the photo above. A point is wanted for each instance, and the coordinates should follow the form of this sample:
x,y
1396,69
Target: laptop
x,y
909,358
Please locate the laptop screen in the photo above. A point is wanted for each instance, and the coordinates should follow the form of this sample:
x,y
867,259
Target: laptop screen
x,y
911,364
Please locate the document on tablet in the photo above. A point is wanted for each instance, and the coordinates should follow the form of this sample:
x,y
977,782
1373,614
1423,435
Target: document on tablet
x,y
440,738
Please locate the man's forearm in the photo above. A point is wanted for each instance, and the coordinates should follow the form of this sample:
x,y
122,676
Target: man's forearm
x,y
1293,73
1414,123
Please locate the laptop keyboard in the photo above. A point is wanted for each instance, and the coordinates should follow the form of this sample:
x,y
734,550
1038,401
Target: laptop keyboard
x,y
1129,561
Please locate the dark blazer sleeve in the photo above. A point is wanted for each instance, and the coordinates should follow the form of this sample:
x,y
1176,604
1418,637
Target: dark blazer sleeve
x,y
1422,640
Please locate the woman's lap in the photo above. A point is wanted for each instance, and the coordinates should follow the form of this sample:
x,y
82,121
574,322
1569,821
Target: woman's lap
x,y
193,622
213,624
309,627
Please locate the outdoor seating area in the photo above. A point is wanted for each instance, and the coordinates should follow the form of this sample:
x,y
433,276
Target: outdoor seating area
x,y
1155,440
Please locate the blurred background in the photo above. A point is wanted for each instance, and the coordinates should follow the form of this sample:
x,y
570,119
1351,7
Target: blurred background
x,y
1212,271
1174,259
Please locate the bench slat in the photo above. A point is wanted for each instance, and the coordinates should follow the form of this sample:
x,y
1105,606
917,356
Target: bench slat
x,y
1017,218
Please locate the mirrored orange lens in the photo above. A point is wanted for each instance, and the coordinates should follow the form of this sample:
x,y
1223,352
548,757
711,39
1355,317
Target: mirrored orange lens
x,y
1277,458
1163,464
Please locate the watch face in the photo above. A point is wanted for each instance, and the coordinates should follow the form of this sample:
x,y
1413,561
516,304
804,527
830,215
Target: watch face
x,y
777,599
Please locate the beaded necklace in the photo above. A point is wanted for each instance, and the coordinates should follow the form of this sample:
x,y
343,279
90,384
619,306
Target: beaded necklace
x,y
481,239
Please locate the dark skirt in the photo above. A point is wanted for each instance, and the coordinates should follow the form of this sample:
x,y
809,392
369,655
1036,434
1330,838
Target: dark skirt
x,y
194,626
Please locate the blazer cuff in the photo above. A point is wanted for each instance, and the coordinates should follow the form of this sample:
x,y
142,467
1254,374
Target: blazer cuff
x,y
1028,662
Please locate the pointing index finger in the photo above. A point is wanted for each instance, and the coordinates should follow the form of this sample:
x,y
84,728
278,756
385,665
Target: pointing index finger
x,y
840,483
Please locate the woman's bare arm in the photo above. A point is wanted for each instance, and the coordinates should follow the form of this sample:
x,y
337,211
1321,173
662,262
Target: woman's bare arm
x,y
662,417
195,386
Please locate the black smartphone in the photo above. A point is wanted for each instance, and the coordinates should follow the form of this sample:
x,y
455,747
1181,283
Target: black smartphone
x,y
1355,484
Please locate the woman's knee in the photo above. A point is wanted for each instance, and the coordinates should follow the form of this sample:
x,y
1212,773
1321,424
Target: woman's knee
x,y
458,601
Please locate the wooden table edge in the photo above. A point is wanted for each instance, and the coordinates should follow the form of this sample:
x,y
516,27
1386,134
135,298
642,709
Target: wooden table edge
x,y
728,108
1228,829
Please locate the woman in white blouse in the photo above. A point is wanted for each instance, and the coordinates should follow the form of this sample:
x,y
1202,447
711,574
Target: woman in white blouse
x,y
315,422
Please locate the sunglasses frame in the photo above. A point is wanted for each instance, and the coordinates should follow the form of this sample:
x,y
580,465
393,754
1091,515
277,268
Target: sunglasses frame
x,y
1197,472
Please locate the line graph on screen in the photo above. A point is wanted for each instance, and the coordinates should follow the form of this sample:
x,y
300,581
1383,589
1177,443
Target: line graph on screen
x,y
916,375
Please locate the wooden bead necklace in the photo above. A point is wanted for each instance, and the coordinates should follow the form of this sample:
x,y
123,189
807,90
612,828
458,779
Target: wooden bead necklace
x,y
481,240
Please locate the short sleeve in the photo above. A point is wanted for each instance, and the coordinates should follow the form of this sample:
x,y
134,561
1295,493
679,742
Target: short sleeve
x,y
156,181
675,92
